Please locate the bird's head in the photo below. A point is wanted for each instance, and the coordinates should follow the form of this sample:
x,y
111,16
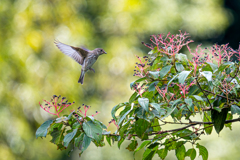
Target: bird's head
x,y
100,51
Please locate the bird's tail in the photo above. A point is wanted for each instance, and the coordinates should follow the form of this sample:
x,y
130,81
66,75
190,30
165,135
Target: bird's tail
x,y
81,77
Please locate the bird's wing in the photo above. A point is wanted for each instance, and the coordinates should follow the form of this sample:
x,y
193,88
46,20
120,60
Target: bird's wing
x,y
76,53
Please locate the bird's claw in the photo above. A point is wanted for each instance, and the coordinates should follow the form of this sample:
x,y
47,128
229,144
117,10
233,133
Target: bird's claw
x,y
92,69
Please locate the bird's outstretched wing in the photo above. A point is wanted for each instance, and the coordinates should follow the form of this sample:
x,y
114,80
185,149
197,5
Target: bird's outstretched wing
x,y
78,54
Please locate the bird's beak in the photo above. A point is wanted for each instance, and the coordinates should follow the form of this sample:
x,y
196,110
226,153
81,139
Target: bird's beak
x,y
105,52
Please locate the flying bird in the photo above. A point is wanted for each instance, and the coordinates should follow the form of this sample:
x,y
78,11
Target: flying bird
x,y
83,56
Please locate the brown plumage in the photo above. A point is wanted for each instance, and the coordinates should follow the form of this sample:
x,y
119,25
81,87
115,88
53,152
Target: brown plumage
x,y
84,57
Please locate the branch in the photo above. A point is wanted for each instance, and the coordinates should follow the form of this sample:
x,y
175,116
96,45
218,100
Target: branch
x,y
222,96
204,94
178,129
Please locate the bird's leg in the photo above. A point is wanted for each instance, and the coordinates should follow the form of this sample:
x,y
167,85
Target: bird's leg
x,y
92,69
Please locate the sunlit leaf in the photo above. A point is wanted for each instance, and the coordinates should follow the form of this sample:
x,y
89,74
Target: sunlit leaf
x,y
154,74
115,108
132,146
182,58
162,153
235,109
148,154
144,102
180,152
144,143
182,76
207,75
191,153
202,151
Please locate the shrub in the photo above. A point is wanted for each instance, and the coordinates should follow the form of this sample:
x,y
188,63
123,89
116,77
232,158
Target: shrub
x,y
170,89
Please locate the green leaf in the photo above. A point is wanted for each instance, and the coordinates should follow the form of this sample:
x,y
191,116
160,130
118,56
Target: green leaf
x,y
170,110
154,74
170,144
57,136
153,145
180,152
152,86
189,103
144,102
182,76
76,125
124,117
140,113
207,118
217,109
213,66
93,130
124,128
120,142
199,98
182,58
43,129
78,140
222,67
162,153
186,134
105,132
108,138
229,117
148,154
164,71
157,106
156,125
69,137
179,67
194,90
219,119
133,97
70,115
207,75
141,126
202,151
137,81
141,146
191,153
115,108
86,142
172,80
235,109
55,125
132,146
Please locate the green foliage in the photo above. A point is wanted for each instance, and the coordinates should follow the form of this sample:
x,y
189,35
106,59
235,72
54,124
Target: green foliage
x,y
171,89
43,129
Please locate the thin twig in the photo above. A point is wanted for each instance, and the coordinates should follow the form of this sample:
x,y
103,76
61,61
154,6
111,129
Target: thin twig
x,y
204,94
222,96
178,129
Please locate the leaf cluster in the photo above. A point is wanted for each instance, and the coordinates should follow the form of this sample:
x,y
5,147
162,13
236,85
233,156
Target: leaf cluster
x,y
171,90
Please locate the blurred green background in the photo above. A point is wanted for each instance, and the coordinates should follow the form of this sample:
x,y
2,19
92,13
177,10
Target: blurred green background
x,y
32,68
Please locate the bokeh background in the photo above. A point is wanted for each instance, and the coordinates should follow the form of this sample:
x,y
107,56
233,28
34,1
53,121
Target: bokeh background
x,y
32,68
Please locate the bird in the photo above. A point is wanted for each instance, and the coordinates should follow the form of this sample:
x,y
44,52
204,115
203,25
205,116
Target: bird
x,y
86,58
